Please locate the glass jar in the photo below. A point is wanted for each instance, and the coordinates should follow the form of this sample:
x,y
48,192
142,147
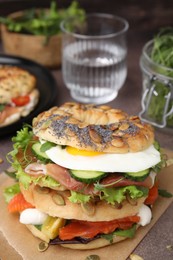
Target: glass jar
x,y
157,97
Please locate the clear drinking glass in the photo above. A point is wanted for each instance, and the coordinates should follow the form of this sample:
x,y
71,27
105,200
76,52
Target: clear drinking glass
x,y
94,57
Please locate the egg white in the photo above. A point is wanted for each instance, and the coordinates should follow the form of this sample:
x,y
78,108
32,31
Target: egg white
x,y
32,216
128,162
145,215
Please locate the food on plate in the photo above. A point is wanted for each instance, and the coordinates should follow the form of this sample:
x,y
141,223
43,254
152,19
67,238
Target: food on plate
x,y
86,175
18,94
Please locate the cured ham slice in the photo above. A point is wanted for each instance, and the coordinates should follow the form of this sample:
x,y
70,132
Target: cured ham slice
x,y
118,180
36,169
62,175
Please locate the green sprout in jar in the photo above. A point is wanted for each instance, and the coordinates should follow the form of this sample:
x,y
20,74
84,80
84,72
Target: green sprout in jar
x,y
162,54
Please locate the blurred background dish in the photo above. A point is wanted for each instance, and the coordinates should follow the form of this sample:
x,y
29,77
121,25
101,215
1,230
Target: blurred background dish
x,y
18,94
46,85
33,47
35,33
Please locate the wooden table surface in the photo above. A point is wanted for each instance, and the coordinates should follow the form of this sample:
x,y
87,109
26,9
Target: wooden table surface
x,y
145,18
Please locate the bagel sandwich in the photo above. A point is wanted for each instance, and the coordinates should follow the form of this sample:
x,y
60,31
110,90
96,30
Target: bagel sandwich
x,y
18,94
87,175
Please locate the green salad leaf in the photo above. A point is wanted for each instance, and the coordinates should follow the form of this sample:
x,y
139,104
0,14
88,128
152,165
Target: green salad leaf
x,y
10,191
117,195
77,197
165,193
20,143
111,195
11,174
129,233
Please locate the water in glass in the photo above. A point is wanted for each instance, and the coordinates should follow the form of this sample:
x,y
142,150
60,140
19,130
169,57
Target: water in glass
x,y
94,71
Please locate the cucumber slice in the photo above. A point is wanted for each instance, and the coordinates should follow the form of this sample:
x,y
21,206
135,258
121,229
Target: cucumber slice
x,y
87,176
138,176
42,156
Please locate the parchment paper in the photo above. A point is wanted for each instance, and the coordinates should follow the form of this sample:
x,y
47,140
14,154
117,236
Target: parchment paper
x,y
16,242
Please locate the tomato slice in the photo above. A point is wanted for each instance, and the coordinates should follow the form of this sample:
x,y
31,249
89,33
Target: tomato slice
x,y
86,229
21,101
152,196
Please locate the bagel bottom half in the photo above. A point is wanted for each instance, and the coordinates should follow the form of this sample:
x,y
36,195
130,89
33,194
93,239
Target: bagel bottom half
x,y
97,243
43,200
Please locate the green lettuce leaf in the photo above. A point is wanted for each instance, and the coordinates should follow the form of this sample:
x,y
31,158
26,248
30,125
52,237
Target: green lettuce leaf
x,y
45,181
113,195
11,173
158,167
20,143
10,191
79,198
129,233
165,193
24,178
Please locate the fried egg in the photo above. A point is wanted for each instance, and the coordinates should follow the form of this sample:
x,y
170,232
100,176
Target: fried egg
x,y
72,158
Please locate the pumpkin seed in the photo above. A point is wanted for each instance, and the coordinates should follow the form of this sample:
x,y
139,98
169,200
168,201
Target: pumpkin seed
x,y
93,257
95,136
46,124
135,257
131,201
42,190
169,247
42,246
88,208
124,127
117,142
58,199
113,127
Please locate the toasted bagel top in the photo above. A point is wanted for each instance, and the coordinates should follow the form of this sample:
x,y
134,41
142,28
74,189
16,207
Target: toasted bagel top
x,y
91,127
14,82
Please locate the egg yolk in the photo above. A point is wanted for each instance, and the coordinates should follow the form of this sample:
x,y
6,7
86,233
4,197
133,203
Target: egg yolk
x,y
75,151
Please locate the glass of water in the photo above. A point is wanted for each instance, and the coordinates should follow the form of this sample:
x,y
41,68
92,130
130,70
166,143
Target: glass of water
x,y
94,57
